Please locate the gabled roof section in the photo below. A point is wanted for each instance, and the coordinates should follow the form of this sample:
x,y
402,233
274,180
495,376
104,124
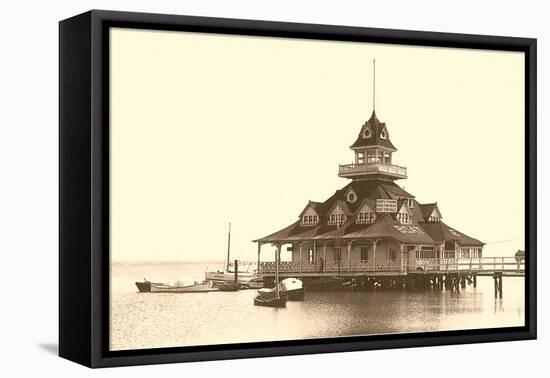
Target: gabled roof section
x,y
342,205
402,204
427,209
367,203
375,138
311,204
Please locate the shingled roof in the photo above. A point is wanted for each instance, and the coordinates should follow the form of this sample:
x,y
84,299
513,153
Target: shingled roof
x,y
440,232
375,127
427,209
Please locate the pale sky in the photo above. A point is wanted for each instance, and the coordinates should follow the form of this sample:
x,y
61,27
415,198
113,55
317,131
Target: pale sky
x,y
209,129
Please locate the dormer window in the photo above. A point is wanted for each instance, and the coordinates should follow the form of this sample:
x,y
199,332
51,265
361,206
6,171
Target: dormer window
x,y
366,217
403,218
435,216
410,203
383,134
367,133
310,220
336,219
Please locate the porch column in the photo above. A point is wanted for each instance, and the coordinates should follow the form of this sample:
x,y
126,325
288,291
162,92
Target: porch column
x,y
314,254
349,254
259,248
402,265
374,252
324,256
300,249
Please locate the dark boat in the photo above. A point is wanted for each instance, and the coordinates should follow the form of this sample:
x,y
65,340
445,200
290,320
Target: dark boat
x,y
273,299
270,302
229,286
328,284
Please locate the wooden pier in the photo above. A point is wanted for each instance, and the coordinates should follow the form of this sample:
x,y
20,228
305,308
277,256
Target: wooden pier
x,y
434,274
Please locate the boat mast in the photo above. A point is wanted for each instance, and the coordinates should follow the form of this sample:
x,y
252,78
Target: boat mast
x,y
228,246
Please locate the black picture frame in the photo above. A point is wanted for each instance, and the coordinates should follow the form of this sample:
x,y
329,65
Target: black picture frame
x,y
84,187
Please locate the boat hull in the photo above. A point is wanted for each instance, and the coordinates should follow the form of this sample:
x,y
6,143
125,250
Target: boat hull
x,y
290,288
270,302
151,287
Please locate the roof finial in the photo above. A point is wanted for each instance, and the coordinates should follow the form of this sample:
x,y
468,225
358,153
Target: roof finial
x,y
373,84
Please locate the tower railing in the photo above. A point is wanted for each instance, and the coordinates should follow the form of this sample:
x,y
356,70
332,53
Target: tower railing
x,y
348,170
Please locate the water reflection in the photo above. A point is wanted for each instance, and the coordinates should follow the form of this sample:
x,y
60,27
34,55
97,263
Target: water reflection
x,y
162,320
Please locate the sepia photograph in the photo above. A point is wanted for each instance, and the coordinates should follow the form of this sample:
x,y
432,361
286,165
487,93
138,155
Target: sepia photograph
x,y
272,189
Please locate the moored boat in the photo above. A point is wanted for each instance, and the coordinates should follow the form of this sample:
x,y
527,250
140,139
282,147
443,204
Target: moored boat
x,y
290,288
246,278
270,302
277,300
156,287
229,286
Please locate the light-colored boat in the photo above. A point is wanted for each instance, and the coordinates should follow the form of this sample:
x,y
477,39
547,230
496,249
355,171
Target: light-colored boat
x,y
247,278
177,287
291,288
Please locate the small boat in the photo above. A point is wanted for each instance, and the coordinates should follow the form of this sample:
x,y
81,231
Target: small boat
x,y
270,302
274,299
244,277
229,286
328,284
178,287
289,288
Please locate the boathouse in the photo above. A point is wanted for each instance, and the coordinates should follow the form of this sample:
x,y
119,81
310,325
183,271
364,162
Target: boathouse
x,y
371,224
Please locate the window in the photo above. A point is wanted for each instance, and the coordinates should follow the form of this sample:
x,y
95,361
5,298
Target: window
x,y
371,156
403,217
310,220
425,252
387,157
360,157
383,134
366,217
336,218
410,203
464,253
393,254
310,255
351,197
364,253
433,218
366,133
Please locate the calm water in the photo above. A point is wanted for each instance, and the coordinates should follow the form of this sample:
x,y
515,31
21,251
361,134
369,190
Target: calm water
x,y
143,320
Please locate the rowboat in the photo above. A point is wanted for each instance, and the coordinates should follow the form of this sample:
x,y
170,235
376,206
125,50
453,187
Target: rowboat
x,y
157,287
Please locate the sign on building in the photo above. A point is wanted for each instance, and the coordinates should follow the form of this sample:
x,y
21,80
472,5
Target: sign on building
x,y
386,206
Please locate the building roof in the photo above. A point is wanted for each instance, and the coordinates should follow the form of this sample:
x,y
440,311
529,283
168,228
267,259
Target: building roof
x,y
427,209
376,127
386,227
440,232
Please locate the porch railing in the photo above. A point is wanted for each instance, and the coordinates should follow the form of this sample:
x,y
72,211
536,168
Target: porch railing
x,y
481,264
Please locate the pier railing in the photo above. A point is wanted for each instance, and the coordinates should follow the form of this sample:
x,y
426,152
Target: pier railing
x,y
480,265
